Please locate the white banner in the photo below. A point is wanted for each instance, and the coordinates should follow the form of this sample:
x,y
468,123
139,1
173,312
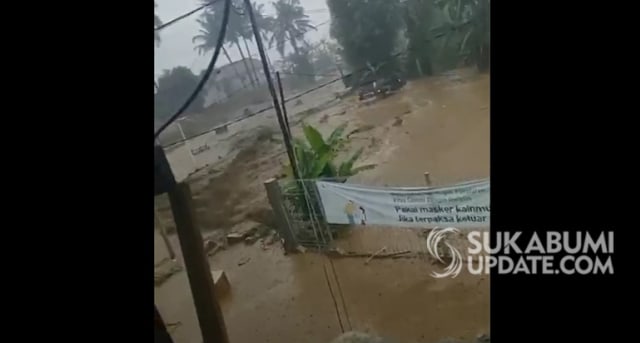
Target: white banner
x,y
465,205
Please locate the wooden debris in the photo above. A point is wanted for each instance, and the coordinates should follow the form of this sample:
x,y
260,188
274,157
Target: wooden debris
x,y
383,249
234,238
209,245
271,238
214,250
250,240
162,275
341,253
171,327
244,261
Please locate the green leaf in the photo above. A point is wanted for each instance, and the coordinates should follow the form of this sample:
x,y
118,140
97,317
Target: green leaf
x,y
355,156
360,129
314,138
331,170
356,170
303,155
345,167
320,164
336,135
344,170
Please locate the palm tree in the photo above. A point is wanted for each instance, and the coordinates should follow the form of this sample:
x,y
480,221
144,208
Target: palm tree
x,y
235,32
290,25
247,34
208,36
235,29
157,22
264,24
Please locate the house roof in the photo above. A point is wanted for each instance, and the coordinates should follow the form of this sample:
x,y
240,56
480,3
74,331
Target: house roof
x,y
228,66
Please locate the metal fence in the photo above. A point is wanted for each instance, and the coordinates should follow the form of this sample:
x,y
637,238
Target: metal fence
x,y
307,222
304,212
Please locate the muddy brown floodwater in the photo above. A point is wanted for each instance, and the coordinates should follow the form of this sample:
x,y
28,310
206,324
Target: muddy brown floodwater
x,y
439,125
444,130
277,298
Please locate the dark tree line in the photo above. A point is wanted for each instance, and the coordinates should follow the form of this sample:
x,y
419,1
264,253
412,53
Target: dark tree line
x,y
416,37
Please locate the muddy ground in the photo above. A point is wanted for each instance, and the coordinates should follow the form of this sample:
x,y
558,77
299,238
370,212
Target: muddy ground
x,y
439,125
277,298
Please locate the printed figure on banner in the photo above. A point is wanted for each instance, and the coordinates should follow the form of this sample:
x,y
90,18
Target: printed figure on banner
x,y
355,213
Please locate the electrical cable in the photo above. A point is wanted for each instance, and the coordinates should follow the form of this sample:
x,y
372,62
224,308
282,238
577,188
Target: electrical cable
x,y
243,117
306,74
207,74
177,19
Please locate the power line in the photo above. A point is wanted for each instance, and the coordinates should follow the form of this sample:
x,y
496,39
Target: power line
x,y
177,19
207,74
303,33
304,74
247,116
243,117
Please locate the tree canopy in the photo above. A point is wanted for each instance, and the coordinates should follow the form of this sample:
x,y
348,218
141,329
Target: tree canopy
x,y
413,36
174,88
289,25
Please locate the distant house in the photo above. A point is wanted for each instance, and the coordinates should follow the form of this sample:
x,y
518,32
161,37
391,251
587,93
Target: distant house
x,y
232,78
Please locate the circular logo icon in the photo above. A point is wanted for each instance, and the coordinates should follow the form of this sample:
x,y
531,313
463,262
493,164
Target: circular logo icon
x,y
435,244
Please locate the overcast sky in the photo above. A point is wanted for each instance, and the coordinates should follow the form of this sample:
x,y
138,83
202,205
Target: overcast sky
x,y
176,48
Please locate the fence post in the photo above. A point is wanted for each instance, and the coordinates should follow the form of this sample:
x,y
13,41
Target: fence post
x,y
275,200
427,178
165,237
208,310
187,145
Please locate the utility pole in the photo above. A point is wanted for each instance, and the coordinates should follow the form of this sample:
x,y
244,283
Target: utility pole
x,y
284,105
276,105
212,326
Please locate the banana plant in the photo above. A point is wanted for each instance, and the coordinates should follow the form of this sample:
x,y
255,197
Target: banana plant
x,y
315,158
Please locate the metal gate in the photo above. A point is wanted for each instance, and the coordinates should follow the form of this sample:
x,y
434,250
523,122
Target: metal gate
x,y
304,213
